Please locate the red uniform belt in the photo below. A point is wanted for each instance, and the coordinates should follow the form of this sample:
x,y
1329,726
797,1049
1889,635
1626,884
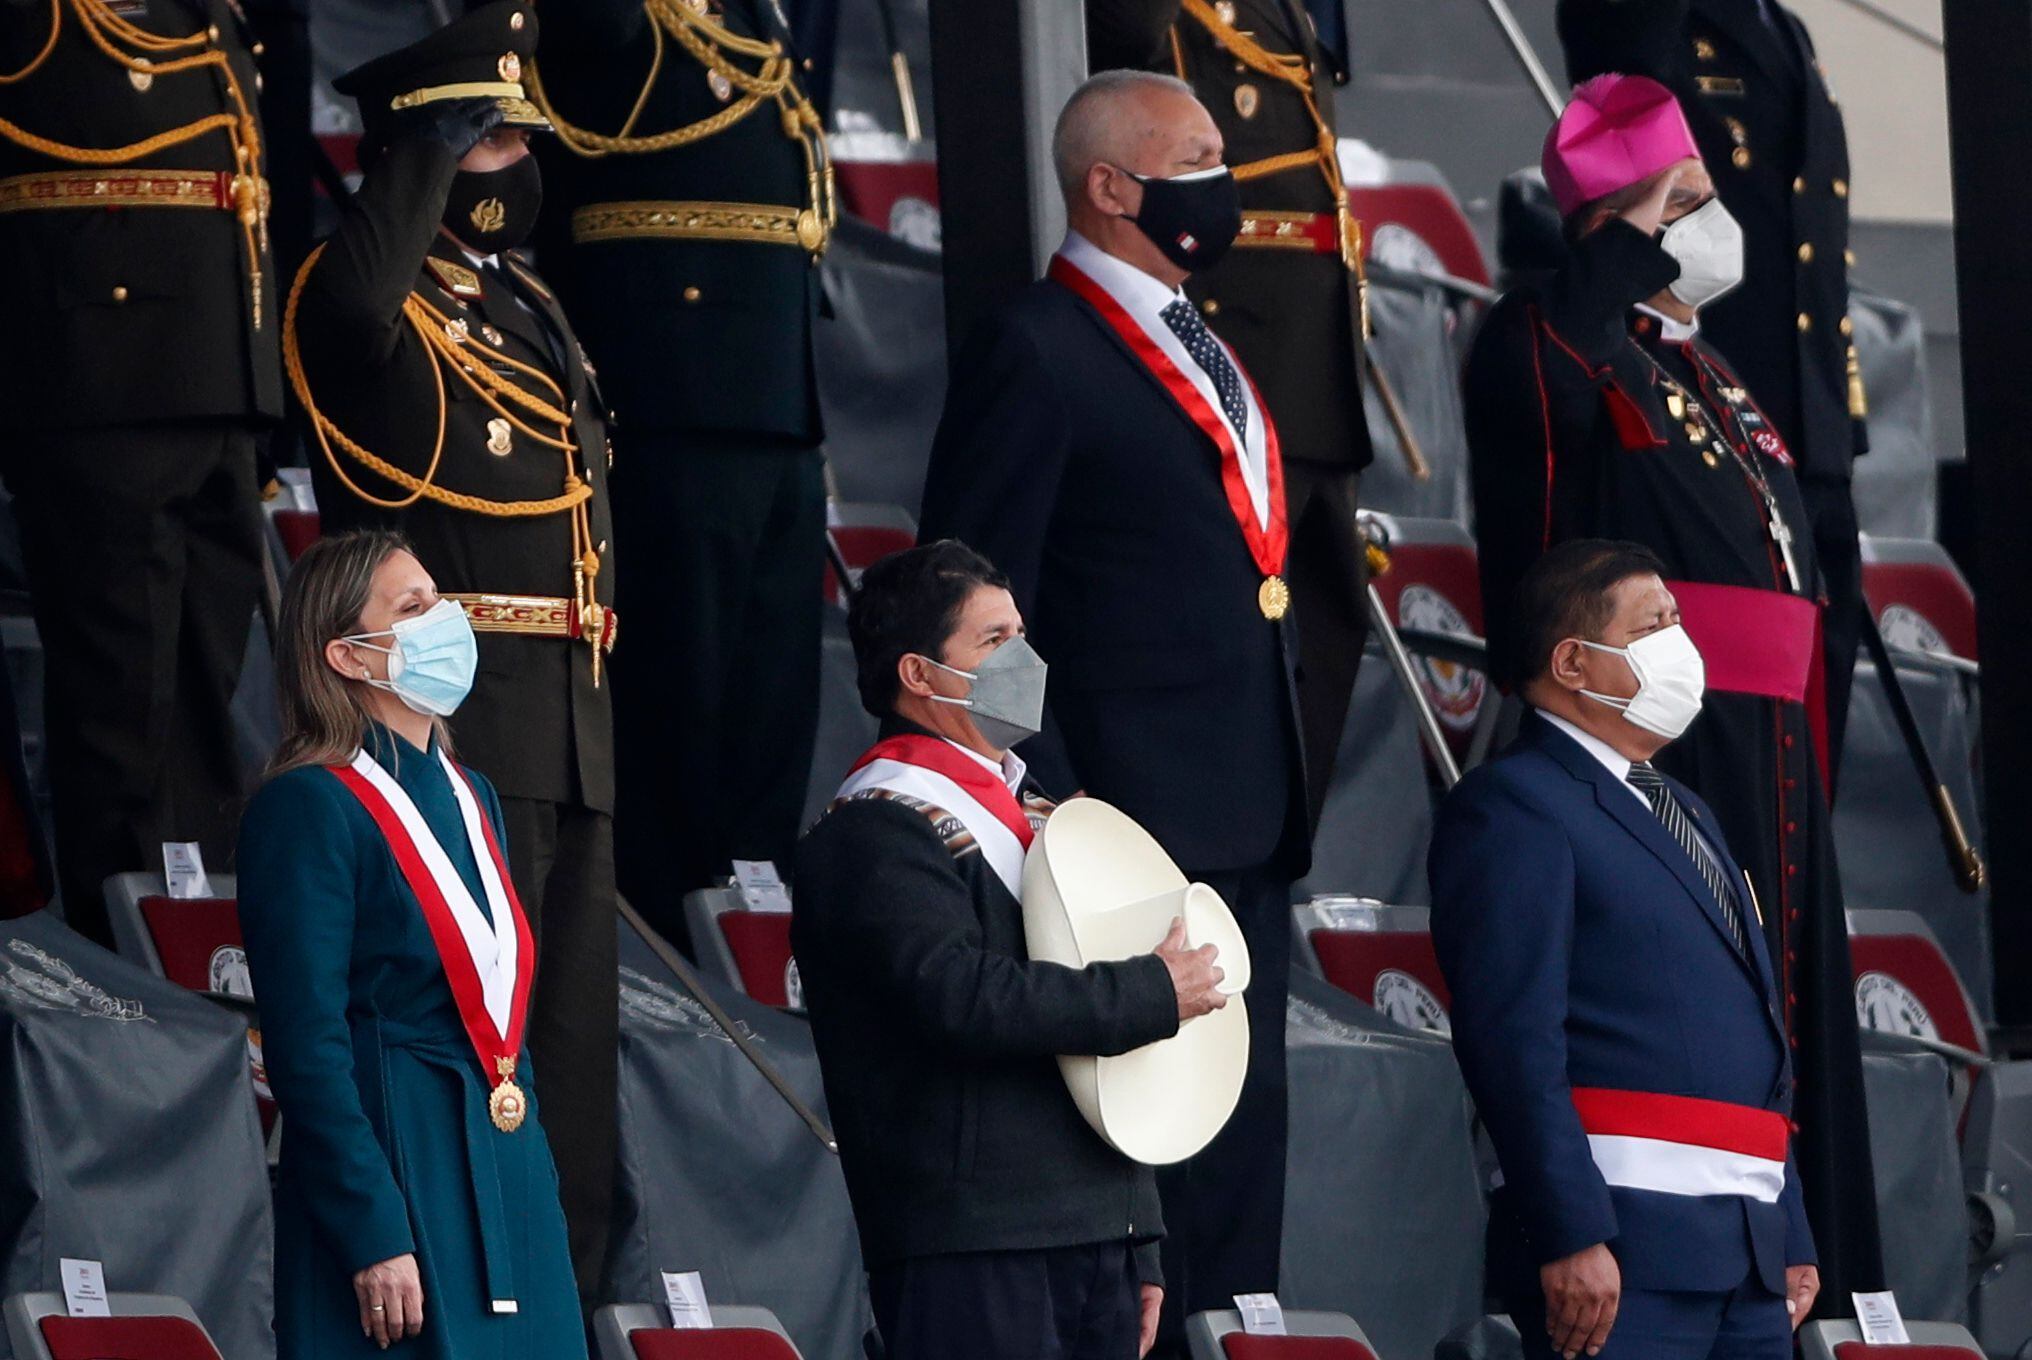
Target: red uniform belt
x,y
539,616
1761,642
1317,232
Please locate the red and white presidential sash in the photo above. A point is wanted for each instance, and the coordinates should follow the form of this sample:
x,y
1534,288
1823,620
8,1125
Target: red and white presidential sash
x,y
935,771
488,963
1683,1145
1268,542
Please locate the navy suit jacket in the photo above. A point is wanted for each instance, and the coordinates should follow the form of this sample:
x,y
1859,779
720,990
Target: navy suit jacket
x,y
1065,461
1583,949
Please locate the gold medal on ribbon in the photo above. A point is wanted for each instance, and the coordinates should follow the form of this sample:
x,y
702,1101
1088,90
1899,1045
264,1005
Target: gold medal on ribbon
x,y
507,1105
1273,597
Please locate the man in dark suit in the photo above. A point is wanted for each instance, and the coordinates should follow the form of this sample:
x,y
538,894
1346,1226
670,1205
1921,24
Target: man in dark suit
x,y
1614,1012
1288,298
1771,135
993,1219
692,202
139,373
450,399
1110,454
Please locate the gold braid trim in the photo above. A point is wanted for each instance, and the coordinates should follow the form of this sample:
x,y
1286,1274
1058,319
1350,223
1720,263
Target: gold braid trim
x,y
418,314
709,43
107,30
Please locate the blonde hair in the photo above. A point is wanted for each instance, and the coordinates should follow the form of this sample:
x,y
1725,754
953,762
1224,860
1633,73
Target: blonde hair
x,y
324,714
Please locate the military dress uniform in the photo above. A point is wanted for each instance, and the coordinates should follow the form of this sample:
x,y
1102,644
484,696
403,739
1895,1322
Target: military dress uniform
x,y
691,201
1585,420
1771,134
450,400
1287,297
138,371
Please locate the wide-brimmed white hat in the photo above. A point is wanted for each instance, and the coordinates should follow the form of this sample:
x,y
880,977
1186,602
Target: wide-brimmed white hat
x,y
1098,887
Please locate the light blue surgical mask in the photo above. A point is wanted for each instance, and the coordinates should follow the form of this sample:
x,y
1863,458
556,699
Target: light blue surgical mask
x,y
431,665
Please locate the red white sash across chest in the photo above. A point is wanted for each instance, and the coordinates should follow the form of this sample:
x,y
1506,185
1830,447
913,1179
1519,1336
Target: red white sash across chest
x,y
488,955
936,772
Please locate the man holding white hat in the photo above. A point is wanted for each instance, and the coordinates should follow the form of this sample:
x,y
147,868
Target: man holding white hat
x,y
994,1220
1595,409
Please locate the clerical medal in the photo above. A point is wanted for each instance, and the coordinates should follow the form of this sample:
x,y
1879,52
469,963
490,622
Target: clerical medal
x,y
1273,597
507,1105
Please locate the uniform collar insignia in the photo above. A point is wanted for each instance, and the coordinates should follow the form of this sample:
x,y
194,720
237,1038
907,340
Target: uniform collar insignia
x,y
527,275
455,278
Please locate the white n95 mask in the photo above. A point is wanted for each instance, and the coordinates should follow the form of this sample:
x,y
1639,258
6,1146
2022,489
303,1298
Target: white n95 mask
x,y
1671,678
1708,244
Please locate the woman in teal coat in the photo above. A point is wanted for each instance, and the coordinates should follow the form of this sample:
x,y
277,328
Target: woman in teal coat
x,y
416,1206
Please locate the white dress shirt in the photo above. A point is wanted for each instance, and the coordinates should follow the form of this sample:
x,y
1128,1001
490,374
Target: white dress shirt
x,y
1144,298
1010,771
1613,760
1671,328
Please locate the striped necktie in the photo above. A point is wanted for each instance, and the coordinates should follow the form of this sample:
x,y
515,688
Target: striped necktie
x,y
1651,784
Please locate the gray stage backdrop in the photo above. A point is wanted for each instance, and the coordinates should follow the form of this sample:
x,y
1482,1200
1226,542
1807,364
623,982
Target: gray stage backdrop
x,y
130,1136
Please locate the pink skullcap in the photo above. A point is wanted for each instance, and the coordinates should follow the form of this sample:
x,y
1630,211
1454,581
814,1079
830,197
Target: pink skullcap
x,y
1615,132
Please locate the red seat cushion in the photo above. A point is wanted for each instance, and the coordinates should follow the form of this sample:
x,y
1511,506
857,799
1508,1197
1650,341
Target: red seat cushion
x,y
1429,211
1242,1346
189,933
718,1343
1920,966
1929,590
1353,959
761,944
297,529
1858,1350
126,1338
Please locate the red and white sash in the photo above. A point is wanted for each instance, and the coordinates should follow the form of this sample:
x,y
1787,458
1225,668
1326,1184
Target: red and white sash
x,y
489,964
935,771
1269,542
1683,1145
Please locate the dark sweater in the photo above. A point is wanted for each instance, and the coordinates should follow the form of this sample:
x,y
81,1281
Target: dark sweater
x,y
937,1037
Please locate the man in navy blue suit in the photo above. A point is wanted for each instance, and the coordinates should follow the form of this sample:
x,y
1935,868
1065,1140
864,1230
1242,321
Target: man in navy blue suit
x,y
1614,1012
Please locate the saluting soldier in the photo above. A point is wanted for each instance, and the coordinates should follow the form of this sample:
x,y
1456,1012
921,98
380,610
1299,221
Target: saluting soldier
x,y
1288,298
139,370
1596,409
449,398
1771,134
694,202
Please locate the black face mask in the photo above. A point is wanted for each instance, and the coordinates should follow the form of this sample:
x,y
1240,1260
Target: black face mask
x,y
1193,219
494,210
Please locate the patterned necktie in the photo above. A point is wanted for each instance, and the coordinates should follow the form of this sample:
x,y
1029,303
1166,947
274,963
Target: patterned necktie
x,y
1199,342
1651,784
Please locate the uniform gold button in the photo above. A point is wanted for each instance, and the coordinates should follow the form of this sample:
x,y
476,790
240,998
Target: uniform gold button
x,y
1848,257
212,32
807,63
1740,158
1806,252
1841,188
1847,327
1805,323
692,294
1247,99
515,21
1210,307
119,292
1799,185
1703,49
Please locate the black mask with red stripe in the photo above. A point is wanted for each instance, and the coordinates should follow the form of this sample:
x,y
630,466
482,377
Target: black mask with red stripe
x,y
1193,218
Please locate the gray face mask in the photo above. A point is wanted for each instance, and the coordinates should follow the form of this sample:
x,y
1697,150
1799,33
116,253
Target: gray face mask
x,y
1005,693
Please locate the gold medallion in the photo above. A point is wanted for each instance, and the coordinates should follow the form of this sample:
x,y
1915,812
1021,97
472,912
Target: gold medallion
x,y
1273,597
1740,158
141,80
811,232
1247,98
723,89
510,67
488,214
499,442
507,1106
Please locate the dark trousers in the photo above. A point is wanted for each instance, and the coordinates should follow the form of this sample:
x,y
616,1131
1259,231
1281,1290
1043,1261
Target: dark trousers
x,y
1831,508
562,859
1746,1323
716,688
143,548
1224,1209
1329,590
1061,1303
